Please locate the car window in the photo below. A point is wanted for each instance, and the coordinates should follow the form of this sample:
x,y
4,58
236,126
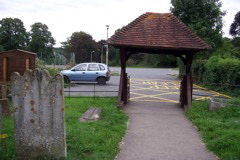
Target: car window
x,y
81,67
102,68
93,67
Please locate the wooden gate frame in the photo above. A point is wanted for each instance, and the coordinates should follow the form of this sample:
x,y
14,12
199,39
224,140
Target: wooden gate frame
x,y
158,33
186,84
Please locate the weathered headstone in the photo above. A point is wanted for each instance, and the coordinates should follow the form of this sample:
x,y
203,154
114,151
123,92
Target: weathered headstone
x,y
91,115
217,103
4,103
39,122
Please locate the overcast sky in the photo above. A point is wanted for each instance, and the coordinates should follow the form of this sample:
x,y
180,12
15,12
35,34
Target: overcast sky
x,y
63,17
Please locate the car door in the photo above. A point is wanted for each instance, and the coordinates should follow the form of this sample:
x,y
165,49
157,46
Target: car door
x,y
92,72
78,73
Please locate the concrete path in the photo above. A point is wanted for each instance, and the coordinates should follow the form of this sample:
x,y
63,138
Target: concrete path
x,y
161,131
158,128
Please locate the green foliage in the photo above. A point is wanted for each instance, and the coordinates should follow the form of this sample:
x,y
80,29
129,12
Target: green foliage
x,y
41,41
229,48
235,26
82,44
160,60
13,34
89,140
220,129
113,56
7,145
40,64
152,60
204,17
1,48
94,140
223,70
198,70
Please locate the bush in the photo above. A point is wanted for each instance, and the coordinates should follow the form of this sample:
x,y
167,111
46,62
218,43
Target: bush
x,y
223,70
198,69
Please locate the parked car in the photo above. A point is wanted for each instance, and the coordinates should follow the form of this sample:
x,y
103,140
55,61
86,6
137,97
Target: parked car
x,y
98,72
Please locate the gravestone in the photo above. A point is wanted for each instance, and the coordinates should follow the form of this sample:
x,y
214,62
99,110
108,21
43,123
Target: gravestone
x,y
38,109
216,103
91,115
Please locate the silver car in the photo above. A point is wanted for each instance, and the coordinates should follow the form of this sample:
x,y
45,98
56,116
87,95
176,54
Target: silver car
x,y
98,72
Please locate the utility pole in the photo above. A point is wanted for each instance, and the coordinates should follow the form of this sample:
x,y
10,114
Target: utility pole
x,y
102,54
107,46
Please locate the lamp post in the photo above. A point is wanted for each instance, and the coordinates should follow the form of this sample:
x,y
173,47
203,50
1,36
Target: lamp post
x,y
102,54
91,55
107,46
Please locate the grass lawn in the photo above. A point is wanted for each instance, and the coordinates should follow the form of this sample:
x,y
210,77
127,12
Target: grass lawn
x,y
220,129
91,140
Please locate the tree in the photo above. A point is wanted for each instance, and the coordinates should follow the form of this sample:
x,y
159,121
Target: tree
x,y
228,49
41,40
13,34
235,26
82,44
203,16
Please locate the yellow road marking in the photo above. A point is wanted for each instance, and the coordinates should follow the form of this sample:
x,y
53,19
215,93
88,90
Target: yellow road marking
x,y
151,89
155,96
161,86
152,101
217,93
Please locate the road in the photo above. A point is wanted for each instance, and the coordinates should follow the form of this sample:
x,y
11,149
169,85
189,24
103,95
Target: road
x,y
147,84
111,88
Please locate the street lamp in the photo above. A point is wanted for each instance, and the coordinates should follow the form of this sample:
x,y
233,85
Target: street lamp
x,y
91,55
107,46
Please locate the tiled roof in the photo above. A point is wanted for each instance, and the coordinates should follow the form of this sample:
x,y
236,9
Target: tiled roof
x,y
158,30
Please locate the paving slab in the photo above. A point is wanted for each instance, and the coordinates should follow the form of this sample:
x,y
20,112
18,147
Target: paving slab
x,y
161,131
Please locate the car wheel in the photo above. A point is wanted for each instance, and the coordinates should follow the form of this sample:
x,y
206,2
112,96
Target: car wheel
x,y
101,81
66,79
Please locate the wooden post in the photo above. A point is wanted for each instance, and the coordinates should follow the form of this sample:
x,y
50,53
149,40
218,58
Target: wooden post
x,y
122,86
125,93
27,63
4,84
188,87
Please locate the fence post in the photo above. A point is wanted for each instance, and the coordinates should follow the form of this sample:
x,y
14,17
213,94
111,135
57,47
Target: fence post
x,y
94,91
69,90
